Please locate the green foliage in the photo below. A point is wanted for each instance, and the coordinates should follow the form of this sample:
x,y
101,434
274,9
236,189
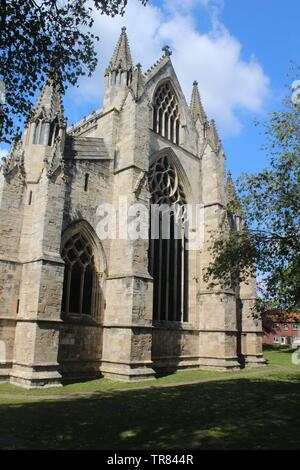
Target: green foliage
x,y
40,38
270,204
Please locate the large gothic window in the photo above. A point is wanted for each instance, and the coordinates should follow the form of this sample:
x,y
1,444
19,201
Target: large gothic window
x,y
168,256
166,118
81,280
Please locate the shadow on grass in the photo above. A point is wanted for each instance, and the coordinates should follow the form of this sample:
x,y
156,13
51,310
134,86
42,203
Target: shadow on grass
x,y
235,414
289,351
270,347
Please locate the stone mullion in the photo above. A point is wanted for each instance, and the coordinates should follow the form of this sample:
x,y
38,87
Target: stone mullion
x,y
81,289
151,247
157,118
68,289
97,299
46,133
160,119
160,267
176,122
37,132
40,128
31,133
175,261
96,296
93,311
165,128
186,281
182,273
167,280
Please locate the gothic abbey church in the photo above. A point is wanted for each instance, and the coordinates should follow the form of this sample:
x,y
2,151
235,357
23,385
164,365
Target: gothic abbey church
x,y
74,306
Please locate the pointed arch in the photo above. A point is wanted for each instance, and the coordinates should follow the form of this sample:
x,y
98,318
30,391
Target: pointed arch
x,y
168,254
39,126
85,270
167,115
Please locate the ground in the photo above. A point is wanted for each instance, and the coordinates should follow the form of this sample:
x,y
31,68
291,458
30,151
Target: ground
x,y
254,409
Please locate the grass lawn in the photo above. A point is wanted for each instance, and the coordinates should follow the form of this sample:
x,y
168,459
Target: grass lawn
x,y
256,409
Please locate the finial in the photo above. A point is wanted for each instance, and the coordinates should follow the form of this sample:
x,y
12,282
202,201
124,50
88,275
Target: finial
x,y
195,83
123,29
167,51
138,66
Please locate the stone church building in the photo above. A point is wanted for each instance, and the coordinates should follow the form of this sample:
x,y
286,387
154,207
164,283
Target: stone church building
x,y
74,306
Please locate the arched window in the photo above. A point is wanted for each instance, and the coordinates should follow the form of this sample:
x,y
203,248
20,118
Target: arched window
x,y
81,292
45,132
53,132
168,255
38,131
166,118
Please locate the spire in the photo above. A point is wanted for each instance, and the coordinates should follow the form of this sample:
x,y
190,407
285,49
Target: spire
x,y
49,103
122,56
196,107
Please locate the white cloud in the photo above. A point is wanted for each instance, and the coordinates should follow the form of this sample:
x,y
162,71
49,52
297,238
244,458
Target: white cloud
x,y
228,84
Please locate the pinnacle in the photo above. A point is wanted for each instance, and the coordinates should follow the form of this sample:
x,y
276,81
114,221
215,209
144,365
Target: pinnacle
x,y
167,51
138,81
49,102
122,56
196,106
230,189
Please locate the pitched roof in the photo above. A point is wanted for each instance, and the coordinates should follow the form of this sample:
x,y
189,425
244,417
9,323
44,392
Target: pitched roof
x,y
163,60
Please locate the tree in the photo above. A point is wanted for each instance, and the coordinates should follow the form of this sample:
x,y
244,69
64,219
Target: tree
x,y
40,39
269,201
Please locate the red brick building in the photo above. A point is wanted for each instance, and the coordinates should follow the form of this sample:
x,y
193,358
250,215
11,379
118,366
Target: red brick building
x,y
281,329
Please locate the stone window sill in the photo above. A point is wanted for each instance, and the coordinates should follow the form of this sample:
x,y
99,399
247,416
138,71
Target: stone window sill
x,y
81,319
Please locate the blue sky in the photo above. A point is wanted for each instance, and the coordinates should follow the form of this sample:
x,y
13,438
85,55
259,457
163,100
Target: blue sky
x,y
269,29
238,50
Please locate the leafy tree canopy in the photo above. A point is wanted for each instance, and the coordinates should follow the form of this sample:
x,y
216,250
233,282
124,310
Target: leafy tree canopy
x,y
269,240
40,38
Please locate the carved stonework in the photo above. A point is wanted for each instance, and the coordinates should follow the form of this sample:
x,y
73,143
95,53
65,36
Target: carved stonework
x,y
56,161
15,160
88,288
164,183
